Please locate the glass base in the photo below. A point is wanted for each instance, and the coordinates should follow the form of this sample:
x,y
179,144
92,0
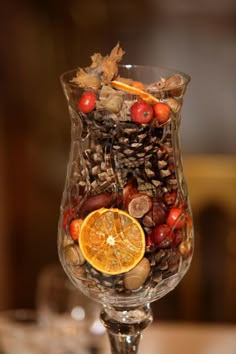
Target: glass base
x,y
124,327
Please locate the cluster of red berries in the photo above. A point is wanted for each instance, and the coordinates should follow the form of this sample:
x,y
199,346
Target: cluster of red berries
x,y
141,111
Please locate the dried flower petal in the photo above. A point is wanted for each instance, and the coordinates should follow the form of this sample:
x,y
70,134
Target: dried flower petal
x,y
101,71
173,81
112,103
106,91
86,80
96,60
156,86
109,64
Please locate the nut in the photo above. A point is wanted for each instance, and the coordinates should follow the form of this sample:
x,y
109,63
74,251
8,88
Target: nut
x,y
138,275
73,255
139,205
102,200
185,248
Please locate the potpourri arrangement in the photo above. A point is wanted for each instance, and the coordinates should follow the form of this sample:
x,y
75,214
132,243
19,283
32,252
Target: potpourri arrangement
x,y
126,224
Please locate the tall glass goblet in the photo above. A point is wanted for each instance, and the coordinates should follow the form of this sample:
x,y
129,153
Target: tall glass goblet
x,y
125,230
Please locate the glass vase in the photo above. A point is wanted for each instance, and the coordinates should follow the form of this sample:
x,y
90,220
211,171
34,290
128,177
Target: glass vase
x,y
125,234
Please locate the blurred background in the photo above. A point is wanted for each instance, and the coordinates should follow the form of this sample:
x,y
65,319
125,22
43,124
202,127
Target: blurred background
x,y
41,39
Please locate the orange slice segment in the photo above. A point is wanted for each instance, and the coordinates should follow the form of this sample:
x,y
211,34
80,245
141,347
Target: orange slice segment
x,y
112,241
134,91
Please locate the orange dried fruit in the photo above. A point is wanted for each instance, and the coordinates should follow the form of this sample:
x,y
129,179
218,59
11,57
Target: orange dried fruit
x,y
138,85
147,97
112,241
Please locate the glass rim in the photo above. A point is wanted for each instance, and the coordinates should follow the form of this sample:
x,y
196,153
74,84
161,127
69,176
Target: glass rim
x,y
171,71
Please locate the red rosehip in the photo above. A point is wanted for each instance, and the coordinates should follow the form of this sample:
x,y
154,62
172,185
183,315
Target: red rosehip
x,y
162,112
178,237
74,228
175,218
87,102
141,112
68,214
163,236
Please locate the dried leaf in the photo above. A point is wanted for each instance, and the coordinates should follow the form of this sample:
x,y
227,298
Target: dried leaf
x,y
101,71
96,60
117,53
157,86
109,64
107,91
110,100
86,80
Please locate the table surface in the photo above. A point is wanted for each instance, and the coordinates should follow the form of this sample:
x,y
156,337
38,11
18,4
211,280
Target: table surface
x,y
187,338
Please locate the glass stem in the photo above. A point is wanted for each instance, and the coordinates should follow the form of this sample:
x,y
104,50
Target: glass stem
x,y
124,327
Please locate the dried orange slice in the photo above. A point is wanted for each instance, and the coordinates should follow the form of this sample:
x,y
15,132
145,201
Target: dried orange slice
x,y
134,91
112,241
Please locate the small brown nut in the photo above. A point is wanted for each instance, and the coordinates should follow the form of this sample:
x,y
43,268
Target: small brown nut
x,y
138,275
139,205
73,255
185,248
102,200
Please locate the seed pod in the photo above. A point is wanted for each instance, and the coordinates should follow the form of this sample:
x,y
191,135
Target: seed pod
x,y
139,205
102,200
175,84
73,255
138,275
185,248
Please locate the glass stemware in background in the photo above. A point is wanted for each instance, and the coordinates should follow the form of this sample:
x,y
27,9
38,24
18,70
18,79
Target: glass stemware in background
x,y
126,197
70,318
20,333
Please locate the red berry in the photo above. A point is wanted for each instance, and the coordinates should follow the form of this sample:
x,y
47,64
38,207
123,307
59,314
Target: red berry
x,y
141,112
87,102
175,218
74,228
178,237
163,236
68,214
162,112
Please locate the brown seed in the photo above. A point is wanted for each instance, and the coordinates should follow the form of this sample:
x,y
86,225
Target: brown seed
x,y
185,248
137,276
73,255
101,200
139,205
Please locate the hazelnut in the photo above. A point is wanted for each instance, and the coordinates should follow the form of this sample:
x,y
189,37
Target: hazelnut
x,y
138,275
139,205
